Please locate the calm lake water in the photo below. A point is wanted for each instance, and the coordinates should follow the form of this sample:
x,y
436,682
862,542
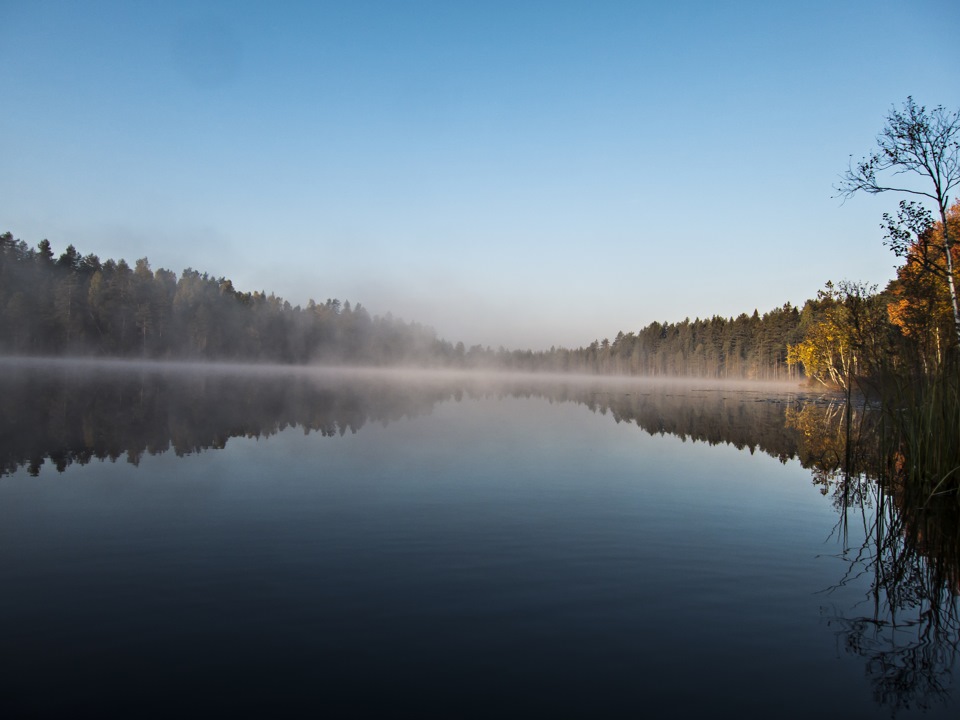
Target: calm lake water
x,y
195,541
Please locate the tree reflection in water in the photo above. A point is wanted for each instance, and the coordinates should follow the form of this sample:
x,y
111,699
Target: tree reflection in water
x,y
906,629
75,413
907,545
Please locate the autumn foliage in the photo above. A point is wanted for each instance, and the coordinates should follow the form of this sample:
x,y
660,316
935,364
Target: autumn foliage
x,y
919,300
853,334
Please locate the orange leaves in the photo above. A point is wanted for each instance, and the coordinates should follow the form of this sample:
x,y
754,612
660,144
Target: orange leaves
x,y
920,305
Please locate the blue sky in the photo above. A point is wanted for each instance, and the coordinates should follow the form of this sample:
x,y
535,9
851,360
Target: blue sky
x,y
515,173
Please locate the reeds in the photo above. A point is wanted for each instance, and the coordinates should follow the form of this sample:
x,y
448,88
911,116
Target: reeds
x,y
923,421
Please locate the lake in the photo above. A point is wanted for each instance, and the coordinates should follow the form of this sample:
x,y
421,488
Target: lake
x,y
211,539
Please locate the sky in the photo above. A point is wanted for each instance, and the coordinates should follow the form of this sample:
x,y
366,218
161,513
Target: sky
x,y
524,174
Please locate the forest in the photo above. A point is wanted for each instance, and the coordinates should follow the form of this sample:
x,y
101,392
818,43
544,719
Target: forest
x,y
75,304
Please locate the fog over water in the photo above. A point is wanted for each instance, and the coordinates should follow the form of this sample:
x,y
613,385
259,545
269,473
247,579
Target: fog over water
x,y
399,373
477,380
51,404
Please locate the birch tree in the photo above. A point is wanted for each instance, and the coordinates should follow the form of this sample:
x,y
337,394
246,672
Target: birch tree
x,y
917,154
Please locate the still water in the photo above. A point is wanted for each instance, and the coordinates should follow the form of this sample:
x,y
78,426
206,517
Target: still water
x,y
212,540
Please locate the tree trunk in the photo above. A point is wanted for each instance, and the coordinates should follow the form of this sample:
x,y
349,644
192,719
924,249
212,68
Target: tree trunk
x,y
948,251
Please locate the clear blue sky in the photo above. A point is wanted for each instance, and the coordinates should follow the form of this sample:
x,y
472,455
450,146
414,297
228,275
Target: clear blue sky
x,y
516,173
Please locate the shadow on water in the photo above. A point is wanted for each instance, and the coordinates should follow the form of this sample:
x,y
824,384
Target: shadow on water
x,y
906,628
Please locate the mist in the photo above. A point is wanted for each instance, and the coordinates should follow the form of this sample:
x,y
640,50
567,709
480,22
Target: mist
x,y
74,410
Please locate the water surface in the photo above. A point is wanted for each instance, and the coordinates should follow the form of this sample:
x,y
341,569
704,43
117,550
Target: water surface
x,y
327,542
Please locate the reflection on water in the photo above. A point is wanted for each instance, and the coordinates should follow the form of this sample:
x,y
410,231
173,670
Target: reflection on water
x,y
907,628
902,549
74,414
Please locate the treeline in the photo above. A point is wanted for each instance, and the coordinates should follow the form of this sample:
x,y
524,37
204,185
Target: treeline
x,y
851,334
746,347
76,304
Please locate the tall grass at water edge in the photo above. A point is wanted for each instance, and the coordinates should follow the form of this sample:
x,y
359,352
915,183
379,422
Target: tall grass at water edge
x,y
924,420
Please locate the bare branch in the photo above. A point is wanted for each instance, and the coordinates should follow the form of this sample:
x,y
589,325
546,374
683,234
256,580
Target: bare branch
x,y
927,144
912,142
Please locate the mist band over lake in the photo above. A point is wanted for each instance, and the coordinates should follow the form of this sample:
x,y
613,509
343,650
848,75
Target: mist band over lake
x,y
220,538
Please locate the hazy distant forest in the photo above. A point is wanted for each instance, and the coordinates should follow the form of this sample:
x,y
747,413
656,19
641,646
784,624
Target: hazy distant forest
x,y
75,304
